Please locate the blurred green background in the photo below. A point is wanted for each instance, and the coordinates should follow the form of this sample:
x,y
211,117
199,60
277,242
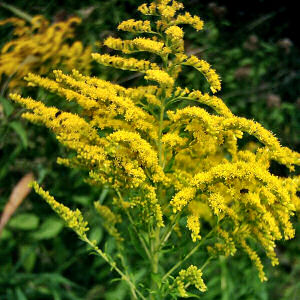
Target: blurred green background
x,y
255,49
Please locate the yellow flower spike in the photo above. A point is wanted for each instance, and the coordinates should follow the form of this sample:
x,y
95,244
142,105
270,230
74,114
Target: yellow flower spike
x,y
126,46
161,8
219,207
212,101
159,76
130,64
69,128
165,10
73,219
193,225
144,9
93,81
143,44
268,244
186,18
148,9
281,154
255,259
137,45
204,67
135,26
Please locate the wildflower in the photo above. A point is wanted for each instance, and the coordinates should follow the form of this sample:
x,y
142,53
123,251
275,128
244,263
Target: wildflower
x,y
166,160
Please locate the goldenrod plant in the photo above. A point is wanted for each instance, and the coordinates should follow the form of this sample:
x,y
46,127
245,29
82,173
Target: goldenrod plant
x,y
39,46
171,158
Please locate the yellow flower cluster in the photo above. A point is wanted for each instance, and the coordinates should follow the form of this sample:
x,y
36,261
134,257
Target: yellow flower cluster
x,y
192,275
39,47
175,33
168,11
172,162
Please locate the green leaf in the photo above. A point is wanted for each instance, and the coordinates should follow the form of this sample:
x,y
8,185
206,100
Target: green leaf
x,y
110,245
118,292
191,295
7,160
49,229
81,199
170,164
20,295
7,106
28,257
96,234
156,278
25,221
5,235
20,131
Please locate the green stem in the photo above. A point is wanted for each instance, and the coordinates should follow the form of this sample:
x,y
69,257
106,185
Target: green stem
x,y
123,262
187,256
206,263
168,232
139,236
134,228
224,286
174,100
155,236
114,266
17,12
